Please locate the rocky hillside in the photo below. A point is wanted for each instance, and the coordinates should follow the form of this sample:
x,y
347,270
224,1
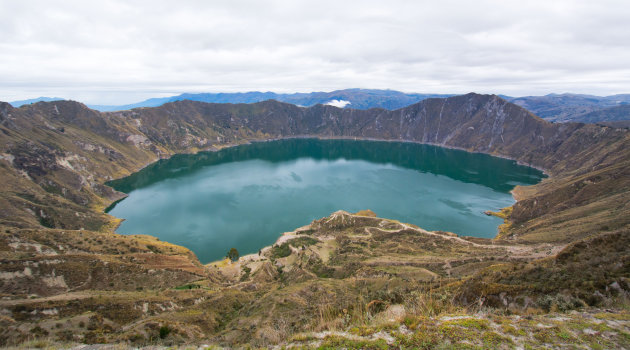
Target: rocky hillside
x,y
60,258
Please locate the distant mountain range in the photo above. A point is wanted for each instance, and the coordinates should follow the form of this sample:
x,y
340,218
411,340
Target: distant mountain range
x,y
34,100
350,98
575,107
552,107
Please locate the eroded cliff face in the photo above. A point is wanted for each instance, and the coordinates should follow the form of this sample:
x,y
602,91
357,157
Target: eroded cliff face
x,y
57,245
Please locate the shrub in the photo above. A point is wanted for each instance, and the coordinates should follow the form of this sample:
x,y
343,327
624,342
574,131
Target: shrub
x,y
153,248
280,251
39,331
164,331
246,272
65,336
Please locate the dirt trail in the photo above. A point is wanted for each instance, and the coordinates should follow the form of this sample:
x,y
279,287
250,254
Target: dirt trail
x,y
515,250
65,296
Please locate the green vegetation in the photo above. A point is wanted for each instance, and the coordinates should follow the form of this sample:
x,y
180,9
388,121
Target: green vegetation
x,y
233,254
344,343
280,251
283,250
303,242
246,272
164,332
188,286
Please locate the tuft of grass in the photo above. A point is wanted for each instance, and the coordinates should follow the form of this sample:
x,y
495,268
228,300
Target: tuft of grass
x,y
426,337
493,340
458,334
613,316
480,324
509,329
431,303
334,342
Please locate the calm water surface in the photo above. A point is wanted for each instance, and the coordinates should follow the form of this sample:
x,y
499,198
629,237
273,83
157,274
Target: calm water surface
x,y
246,196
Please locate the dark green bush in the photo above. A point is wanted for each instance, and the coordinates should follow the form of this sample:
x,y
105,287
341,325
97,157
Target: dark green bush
x,y
164,332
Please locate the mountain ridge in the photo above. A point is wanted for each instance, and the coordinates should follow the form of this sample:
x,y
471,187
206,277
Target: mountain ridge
x,y
554,107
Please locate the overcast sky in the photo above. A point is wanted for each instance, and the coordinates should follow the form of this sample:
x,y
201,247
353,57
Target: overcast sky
x,y
114,52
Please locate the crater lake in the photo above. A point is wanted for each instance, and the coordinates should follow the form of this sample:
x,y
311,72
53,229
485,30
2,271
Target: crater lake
x,y
246,196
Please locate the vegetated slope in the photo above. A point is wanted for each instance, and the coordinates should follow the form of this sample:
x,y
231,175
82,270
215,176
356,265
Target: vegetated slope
x,y
358,98
54,160
568,107
612,114
617,124
56,157
349,280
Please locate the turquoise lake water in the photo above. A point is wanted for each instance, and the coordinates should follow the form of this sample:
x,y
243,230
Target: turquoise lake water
x,y
246,196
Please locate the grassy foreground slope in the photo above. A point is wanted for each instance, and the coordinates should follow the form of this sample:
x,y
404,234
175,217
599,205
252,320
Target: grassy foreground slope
x,y
66,277
352,280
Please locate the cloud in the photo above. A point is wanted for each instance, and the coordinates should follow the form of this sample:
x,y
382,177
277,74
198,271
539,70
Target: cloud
x,y
120,51
338,103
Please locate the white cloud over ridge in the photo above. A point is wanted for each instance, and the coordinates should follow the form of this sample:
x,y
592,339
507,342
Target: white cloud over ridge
x,y
120,51
338,103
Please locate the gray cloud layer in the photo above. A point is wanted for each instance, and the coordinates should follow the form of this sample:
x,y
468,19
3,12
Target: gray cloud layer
x,y
121,51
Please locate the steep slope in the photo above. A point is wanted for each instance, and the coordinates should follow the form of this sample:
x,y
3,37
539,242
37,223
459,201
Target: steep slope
x,y
67,151
479,123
